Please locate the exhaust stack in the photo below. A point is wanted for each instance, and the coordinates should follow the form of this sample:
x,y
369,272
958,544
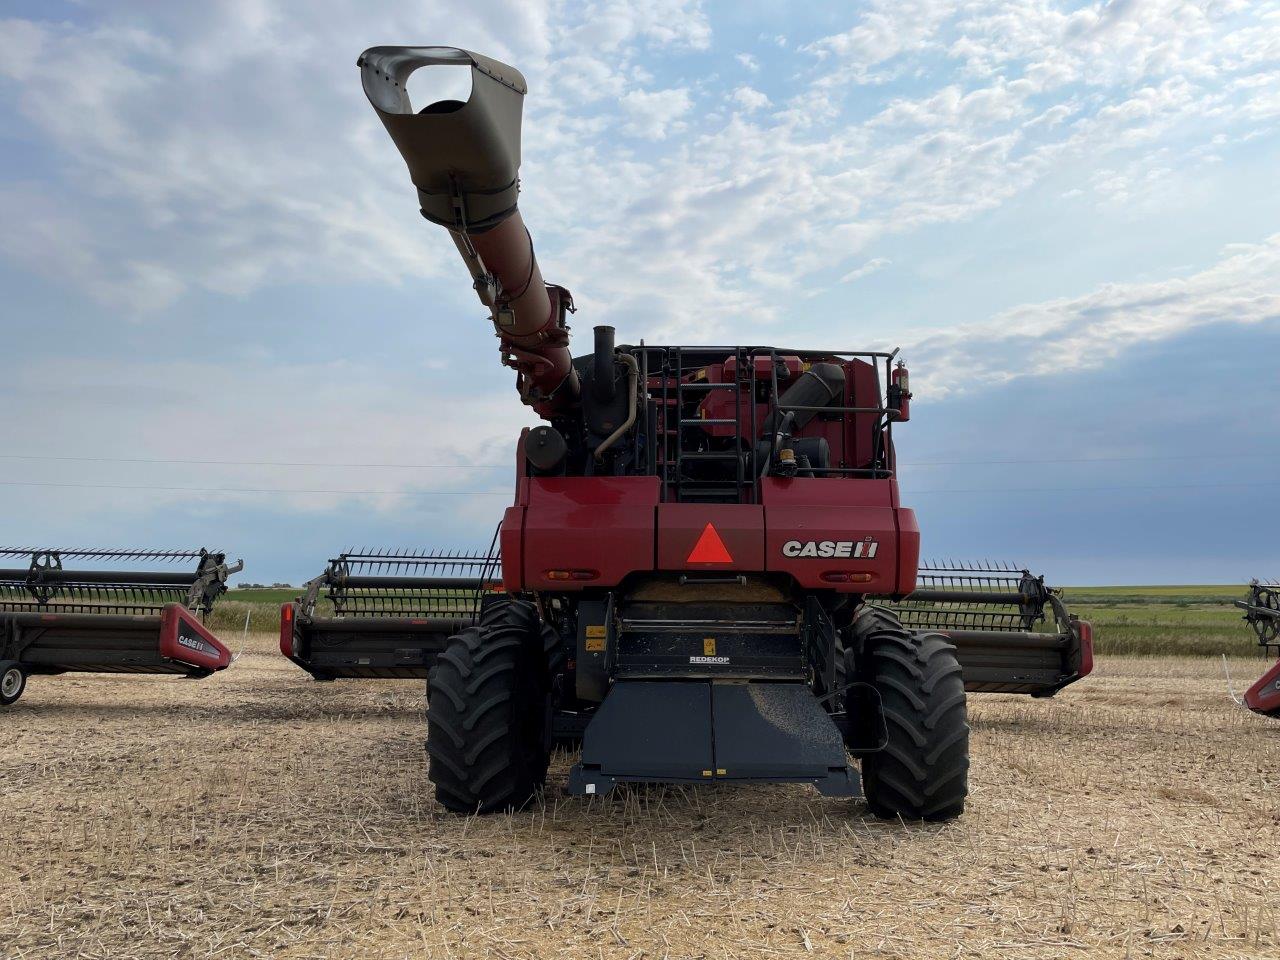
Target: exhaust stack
x,y
464,158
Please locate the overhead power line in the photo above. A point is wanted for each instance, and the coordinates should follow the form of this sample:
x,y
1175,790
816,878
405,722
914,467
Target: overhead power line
x,y
504,493
992,461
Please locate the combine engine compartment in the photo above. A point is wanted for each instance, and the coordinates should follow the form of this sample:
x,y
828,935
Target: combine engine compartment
x,y
745,459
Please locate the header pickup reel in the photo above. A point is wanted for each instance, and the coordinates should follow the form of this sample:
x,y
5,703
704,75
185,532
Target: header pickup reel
x,y
1262,613
385,615
108,611
1012,633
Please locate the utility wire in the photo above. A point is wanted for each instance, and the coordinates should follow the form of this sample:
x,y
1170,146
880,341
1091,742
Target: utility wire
x,y
503,493
996,461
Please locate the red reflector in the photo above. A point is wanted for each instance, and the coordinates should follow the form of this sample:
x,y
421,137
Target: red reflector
x,y
286,629
709,548
1084,629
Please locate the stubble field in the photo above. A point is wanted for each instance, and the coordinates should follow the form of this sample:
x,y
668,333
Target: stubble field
x,y
259,814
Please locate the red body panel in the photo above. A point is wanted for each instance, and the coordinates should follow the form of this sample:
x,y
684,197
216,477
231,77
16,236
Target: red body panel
x,y
739,526
600,524
819,529
511,540
1264,696
908,547
601,529
184,638
1084,631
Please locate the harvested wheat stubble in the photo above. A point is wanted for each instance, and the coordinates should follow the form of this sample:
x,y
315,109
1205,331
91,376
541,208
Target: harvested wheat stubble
x,y
259,814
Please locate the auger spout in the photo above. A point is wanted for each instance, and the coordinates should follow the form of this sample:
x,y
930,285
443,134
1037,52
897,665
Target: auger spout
x,y
464,158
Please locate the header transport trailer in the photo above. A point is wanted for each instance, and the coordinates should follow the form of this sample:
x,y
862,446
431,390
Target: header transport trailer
x,y
694,539
108,611
1262,613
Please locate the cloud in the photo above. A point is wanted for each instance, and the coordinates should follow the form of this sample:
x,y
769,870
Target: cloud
x,y
1084,333
888,29
171,173
655,114
748,62
226,151
45,235
749,99
259,411
865,270
739,211
610,25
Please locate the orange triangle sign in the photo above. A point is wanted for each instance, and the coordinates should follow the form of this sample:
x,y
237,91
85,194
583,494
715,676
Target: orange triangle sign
x,y
709,548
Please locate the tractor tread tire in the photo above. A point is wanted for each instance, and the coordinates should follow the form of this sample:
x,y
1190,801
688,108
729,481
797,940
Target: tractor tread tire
x,y
486,712
922,773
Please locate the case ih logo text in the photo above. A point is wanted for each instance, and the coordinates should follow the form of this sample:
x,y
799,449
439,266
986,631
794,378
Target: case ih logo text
x,y
852,549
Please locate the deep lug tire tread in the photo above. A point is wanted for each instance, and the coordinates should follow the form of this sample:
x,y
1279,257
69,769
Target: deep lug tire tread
x,y
922,773
486,712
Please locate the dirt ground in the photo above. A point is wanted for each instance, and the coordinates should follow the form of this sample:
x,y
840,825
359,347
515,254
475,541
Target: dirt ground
x,y
259,814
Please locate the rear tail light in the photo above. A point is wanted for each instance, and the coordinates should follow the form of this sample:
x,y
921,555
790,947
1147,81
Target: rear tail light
x,y
572,574
844,576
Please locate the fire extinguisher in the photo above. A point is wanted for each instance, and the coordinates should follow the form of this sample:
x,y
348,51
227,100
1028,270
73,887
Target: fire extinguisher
x,y
900,391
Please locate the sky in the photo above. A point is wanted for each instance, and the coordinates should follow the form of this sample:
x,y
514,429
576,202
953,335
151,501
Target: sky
x,y
224,322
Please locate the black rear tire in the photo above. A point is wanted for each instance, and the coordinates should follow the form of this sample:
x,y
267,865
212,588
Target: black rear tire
x,y
922,772
487,712
13,680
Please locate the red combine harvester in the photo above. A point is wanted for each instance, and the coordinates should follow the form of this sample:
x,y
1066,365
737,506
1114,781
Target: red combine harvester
x,y
694,538
1262,612
106,614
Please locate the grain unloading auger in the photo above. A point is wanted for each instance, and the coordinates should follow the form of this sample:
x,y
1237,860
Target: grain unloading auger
x,y
1262,613
108,611
694,535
